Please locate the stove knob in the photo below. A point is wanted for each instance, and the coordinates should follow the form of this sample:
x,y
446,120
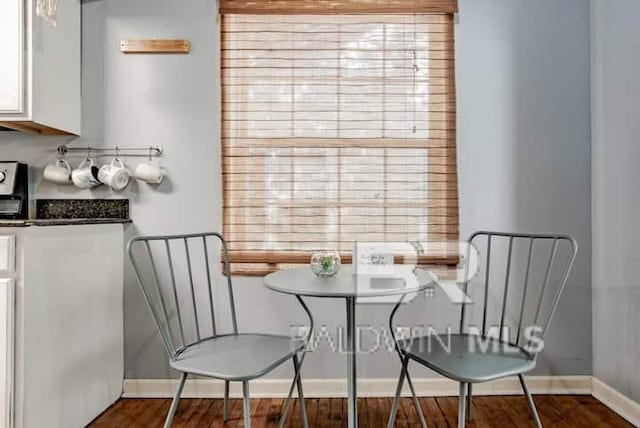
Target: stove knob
x,y
3,176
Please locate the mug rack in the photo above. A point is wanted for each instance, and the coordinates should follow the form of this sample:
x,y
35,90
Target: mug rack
x,y
149,151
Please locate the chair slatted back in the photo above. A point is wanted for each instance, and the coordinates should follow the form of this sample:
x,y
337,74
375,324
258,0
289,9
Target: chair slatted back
x,y
177,275
518,285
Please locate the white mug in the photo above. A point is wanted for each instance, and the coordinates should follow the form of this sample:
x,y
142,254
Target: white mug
x,y
150,172
58,172
114,175
86,175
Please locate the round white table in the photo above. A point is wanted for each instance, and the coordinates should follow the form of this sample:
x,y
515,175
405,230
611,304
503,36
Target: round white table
x,y
302,282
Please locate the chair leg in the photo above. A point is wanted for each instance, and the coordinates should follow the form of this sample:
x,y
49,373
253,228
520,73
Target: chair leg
x,y
246,404
303,406
396,398
416,403
287,403
470,402
174,403
225,406
461,405
532,405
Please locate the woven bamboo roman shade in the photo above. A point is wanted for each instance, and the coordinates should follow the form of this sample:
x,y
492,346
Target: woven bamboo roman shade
x,y
301,7
335,128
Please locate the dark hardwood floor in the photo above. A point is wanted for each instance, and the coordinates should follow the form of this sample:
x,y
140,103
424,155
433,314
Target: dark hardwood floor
x,y
499,411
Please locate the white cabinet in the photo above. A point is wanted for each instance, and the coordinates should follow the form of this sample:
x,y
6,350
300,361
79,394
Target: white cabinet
x,y
11,42
7,303
6,352
68,351
40,68
7,254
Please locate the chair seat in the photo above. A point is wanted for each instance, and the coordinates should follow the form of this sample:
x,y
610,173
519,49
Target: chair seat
x,y
468,358
237,357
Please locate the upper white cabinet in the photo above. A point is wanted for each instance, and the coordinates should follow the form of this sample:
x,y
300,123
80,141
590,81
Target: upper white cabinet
x,y
40,68
11,42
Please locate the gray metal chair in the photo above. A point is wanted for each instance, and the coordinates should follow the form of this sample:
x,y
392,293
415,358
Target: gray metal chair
x,y
521,276
182,300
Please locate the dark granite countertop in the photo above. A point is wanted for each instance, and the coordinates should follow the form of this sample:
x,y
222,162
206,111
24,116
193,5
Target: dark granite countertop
x,y
61,222
82,209
69,212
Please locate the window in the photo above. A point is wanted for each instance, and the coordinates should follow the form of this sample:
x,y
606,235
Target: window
x,y
335,128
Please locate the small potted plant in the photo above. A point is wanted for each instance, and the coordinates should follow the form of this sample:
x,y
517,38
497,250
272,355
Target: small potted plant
x,y
325,263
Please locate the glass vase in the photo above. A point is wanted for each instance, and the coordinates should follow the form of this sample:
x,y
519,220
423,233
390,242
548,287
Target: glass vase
x,y
325,263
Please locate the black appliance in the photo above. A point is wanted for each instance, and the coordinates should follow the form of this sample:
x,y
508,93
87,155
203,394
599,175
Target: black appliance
x,y
14,191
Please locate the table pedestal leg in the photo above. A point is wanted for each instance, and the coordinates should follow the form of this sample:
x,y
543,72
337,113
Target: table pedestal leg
x,y
352,394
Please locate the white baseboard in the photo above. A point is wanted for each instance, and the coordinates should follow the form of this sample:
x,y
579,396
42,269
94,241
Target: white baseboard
x,y
622,405
425,387
321,388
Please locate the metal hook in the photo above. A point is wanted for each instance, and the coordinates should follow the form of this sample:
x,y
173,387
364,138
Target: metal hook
x,y
117,153
150,152
88,152
62,150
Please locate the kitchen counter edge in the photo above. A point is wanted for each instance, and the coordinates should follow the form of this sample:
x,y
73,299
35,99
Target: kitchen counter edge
x,y
61,222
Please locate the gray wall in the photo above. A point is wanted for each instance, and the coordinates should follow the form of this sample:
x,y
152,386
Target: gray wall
x,y
524,141
616,207
524,154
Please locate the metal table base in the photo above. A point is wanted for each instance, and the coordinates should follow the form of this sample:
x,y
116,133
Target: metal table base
x,y
352,390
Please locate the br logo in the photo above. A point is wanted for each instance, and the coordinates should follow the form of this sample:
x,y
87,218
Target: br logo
x,y
393,264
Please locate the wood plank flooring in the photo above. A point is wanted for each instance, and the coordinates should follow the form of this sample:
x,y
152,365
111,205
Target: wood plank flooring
x,y
562,411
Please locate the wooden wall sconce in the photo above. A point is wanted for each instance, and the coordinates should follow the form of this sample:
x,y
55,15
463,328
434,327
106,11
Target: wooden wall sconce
x,y
155,46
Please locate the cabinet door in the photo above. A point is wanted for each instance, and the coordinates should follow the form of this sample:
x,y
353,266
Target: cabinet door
x,y
6,351
7,254
12,49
